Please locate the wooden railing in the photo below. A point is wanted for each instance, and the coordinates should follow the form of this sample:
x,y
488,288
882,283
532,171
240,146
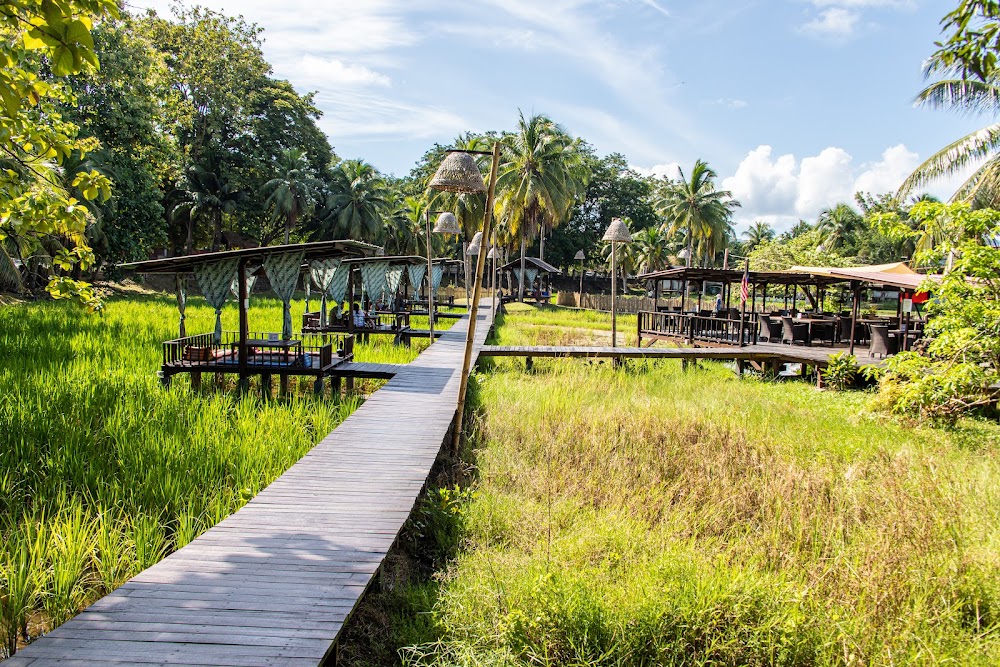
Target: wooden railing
x,y
697,328
317,350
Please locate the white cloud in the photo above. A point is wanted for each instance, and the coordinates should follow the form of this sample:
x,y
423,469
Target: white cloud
x,y
669,170
784,189
833,23
313,71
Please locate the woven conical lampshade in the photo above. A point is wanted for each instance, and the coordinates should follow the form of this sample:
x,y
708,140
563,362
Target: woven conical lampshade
x,y
459,173
617,232
493,254
476,245
447,223
580,255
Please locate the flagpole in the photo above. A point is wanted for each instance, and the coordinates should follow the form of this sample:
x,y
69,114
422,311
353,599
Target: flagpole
x,y
743,302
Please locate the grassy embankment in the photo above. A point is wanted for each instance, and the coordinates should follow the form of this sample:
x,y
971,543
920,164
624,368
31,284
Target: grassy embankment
x,y
654,517
103,472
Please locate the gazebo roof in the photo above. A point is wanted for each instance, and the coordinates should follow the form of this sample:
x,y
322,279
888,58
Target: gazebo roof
x,y
311,251
736,275
897,275
539,264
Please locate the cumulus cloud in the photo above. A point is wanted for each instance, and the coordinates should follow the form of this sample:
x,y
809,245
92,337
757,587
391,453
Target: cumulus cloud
x,y
313,71
833,23
783,189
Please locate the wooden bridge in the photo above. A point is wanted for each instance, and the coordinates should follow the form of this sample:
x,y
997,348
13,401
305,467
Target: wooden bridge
x,y
275,582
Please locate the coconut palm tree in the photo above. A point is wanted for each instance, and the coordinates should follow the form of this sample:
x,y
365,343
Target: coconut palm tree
x,y
836,225
694,206
354,208
652,249
207,196
540,177
291,195
960,92
758,233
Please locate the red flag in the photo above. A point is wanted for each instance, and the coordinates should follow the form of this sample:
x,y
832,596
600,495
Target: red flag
x,y
745,284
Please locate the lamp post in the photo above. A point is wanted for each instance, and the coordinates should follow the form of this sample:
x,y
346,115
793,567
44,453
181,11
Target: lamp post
x,y
580,255
617,233
446,223
473,250
459,172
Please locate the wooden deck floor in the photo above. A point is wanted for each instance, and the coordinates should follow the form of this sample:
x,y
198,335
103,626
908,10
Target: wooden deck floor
x,y
274,583
758,352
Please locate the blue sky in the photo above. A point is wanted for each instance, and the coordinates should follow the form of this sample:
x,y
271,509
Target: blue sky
x,y
795,103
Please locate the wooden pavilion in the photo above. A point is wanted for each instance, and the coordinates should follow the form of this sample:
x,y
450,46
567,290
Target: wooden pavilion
x,y
534,268
682,318
244,353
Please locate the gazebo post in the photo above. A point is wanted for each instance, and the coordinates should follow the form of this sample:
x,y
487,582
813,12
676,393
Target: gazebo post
x,y
241,277
795,297
350,300
763,303
855,298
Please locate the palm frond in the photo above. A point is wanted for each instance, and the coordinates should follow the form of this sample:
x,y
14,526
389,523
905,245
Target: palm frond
x,y
953,158
962,95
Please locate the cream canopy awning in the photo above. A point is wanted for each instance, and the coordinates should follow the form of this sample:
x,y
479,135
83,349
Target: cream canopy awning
x,y
897,274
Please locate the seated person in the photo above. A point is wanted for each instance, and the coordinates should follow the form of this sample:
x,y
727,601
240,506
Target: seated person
x,y
359,317
372,316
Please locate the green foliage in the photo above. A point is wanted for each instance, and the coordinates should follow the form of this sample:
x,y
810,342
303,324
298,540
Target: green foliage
x,y
805,249
43,42
841,371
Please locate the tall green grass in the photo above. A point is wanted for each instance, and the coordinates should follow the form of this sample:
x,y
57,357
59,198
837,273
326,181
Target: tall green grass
x,y
649,516
103,471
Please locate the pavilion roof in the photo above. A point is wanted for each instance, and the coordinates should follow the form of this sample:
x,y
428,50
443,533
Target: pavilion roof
x,y
897,275
537,263
318,250
698,274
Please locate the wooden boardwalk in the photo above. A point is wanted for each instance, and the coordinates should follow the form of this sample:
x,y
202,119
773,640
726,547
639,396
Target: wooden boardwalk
x,y
761,352
274,583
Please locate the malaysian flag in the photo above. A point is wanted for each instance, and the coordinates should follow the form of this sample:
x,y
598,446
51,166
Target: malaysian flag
x,y
745,284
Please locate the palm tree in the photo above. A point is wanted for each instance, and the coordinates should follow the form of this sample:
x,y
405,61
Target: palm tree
x,y
354,208
837,224
696,207
958,92
652,249
208,196
540,177
291,195
758,233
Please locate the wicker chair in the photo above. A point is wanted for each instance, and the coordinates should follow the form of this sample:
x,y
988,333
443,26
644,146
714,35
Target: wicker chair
x,y
882,342
825,332
793,333
860,335
771,331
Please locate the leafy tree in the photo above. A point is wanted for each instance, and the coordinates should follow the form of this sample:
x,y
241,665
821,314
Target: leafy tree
x,y
120,105
290,196
758,232
613,191
355,206
803,250
955,374
540,178
801,227
44,42
694,206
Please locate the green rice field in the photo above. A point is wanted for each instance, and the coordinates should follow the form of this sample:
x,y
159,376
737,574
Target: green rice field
x,y
103,471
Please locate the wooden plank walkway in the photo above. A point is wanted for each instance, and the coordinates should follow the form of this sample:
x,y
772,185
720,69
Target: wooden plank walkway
x,y
366,369
758,352
274,583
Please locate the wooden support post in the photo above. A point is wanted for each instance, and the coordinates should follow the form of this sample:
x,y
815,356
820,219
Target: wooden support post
x,y
349,385
335,385
196,379
319,387
265,386
855,302
529,363
241,277
283,384
165,379
739,367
